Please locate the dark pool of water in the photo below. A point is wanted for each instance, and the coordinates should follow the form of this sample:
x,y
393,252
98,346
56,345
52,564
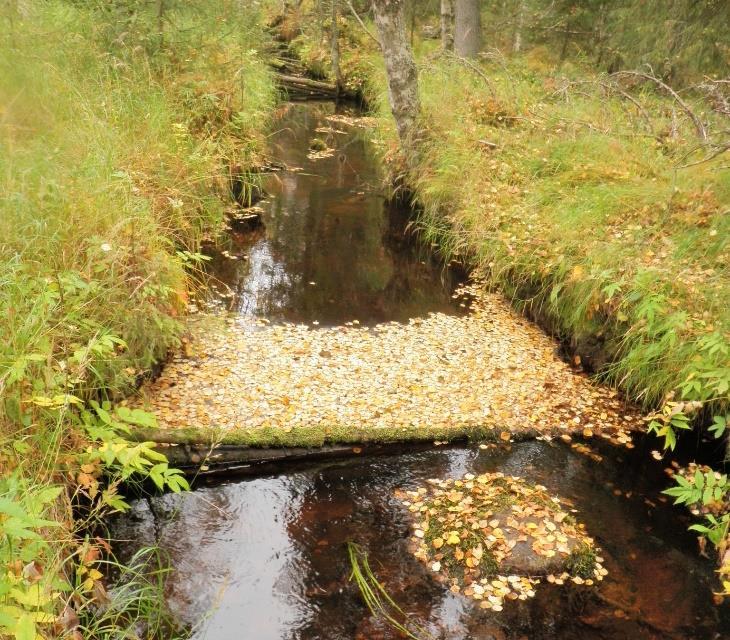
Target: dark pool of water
x,y
266,558
331,249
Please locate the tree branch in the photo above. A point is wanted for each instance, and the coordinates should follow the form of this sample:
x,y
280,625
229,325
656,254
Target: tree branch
x,y
360,22
701,132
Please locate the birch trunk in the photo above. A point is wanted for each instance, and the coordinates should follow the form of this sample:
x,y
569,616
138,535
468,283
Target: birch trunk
x,y
447,25
517,41
400,68
337,72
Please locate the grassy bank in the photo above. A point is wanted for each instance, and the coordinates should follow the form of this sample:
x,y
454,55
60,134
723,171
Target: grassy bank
x,y
586,215
119,126
591,201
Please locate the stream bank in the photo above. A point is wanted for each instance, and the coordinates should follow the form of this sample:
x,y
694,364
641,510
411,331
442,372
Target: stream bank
x,y
269,554
119,122
543,178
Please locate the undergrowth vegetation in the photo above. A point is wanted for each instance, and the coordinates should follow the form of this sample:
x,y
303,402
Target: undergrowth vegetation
x,y
120,125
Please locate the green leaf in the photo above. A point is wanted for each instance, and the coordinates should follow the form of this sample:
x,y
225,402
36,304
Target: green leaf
x,y
48,494
12,508
104,415
707,495
21,446
32,597
137,416
155,474
699,528
699,480
25,628
152,454
718,426
114,501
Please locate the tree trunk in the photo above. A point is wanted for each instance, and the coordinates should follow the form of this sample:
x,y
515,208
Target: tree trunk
x,y
600,36
468,31
447,25
337,72
400,68
161,24
519,25
320,21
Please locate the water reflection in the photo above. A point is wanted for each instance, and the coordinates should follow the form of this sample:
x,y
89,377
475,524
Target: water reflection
x,y
269,554
331,250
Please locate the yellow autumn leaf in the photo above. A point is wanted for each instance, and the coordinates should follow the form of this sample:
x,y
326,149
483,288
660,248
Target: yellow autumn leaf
x,y
453,538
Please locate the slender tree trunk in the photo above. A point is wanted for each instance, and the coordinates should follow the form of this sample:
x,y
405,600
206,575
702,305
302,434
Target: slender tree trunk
x,y
447,25
468,28
517,40
400,68
600,34
161,24
320,21
336,49
564,49
412,19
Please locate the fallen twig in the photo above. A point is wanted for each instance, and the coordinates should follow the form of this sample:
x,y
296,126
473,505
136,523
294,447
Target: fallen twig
x,y
701,132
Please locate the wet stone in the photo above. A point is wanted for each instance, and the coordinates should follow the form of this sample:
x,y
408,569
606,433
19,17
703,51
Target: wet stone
x,y
494,538
247,219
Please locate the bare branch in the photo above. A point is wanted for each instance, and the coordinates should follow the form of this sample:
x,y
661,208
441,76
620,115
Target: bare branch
x,y
630,98
701,132
470,65
360,22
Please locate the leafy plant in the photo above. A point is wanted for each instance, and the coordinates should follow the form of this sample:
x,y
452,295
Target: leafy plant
x,y
703,488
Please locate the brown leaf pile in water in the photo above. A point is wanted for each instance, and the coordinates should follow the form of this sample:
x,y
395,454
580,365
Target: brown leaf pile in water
x,y
490,368
322,153
494,537
364,122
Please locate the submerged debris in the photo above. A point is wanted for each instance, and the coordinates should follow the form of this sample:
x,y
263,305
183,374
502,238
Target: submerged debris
x,y
364,122
318,149
494,537
443,373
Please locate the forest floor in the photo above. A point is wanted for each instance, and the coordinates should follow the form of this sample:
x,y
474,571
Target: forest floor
x,y
246,381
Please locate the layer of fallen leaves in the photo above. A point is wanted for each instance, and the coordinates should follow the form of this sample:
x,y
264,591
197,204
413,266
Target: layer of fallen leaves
x,y
472,530
489,368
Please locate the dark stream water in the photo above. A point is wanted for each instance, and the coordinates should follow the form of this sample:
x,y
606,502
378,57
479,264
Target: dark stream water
x,y
331,249
265,557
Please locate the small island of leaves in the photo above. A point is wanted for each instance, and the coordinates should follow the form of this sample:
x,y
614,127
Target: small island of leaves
x,y
494,537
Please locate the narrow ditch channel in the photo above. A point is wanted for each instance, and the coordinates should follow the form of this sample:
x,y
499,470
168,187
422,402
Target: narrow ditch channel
x,y
264,556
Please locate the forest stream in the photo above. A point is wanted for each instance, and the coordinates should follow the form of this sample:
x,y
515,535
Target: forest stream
x,y
263,554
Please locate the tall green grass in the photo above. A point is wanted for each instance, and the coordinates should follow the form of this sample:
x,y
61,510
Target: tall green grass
x,y
119,129
111,161
583,216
